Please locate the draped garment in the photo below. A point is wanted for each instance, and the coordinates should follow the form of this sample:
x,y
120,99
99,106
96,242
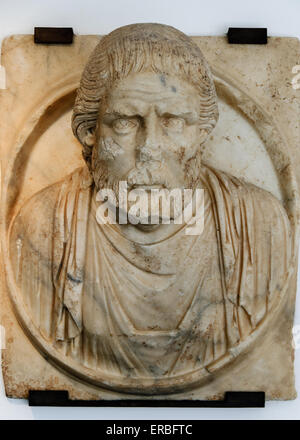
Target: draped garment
x,y
156,309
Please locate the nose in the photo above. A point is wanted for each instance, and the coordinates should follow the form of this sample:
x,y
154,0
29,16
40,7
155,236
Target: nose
x,y
149,146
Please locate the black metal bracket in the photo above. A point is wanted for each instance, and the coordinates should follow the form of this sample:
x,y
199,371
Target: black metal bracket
x,y
247,35
53,35
233,399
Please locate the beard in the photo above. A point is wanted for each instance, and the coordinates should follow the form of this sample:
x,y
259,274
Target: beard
x,y
146,174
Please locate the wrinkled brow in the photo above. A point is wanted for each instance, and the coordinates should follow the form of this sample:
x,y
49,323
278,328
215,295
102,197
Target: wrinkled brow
x,y
130,112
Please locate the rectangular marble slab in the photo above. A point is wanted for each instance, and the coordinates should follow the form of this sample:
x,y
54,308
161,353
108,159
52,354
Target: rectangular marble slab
x,y
256,140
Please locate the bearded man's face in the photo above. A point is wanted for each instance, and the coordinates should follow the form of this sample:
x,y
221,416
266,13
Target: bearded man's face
x,y
148,134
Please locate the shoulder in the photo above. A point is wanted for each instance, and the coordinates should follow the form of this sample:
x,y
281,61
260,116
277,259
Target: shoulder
x,y
35,217
245,210
238,190
35,221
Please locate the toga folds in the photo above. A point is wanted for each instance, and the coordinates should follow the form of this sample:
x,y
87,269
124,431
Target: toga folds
x,y
157,309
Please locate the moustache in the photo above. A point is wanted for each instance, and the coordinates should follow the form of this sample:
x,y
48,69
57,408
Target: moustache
x,y
147,175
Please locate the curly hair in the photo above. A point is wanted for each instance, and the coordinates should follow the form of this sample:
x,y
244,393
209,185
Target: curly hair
x,y
137,48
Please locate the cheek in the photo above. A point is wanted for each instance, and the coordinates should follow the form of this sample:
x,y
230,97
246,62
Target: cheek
x,y
183,146
117,152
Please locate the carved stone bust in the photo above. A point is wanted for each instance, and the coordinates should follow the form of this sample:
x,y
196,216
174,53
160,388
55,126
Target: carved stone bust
x,y
148,309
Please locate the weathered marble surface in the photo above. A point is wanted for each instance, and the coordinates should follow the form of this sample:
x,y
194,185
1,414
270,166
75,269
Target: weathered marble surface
x,y
254,140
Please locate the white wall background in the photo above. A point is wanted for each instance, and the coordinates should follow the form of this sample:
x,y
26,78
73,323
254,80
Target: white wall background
x,y
194,17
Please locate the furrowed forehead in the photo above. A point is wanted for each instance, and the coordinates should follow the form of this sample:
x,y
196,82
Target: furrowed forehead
x,y
136,93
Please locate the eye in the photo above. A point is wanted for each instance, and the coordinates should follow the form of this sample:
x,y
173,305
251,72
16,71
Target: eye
x,y
124,126
173,123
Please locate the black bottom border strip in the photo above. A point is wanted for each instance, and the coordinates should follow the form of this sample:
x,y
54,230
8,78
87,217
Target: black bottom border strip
x,y
233,399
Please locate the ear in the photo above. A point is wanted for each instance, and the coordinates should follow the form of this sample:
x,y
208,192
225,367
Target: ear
x,y
90,138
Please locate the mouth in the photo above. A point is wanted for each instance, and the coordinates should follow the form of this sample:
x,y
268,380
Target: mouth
x,y
147,228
